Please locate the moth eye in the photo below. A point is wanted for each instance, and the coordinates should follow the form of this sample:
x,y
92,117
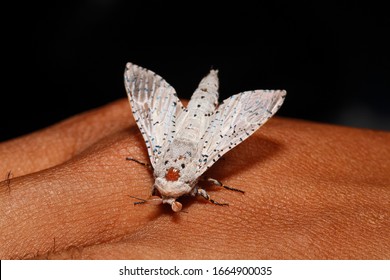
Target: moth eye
x,y
183,165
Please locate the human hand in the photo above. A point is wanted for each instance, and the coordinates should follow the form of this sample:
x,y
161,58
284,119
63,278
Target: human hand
x,y
312,191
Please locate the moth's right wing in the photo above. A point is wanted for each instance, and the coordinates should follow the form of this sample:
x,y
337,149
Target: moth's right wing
x,y
155,108
234,121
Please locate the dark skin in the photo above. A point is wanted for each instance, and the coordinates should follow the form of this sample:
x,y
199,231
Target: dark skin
x,y
312,191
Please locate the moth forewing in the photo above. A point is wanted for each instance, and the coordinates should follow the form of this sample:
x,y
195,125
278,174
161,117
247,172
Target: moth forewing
x,y
155,107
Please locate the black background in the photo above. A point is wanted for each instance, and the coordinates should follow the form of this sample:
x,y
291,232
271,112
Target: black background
x,y
66,57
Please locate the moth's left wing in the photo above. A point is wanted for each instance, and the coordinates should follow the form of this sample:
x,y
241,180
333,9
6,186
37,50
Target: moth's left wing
x,y
155,107
235,120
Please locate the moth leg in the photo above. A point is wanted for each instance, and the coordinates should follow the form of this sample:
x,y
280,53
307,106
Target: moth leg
x,y
205,195
153,190
142,201
219,183
140,162
153,200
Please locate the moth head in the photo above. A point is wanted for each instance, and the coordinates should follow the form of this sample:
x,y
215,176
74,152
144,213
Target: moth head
x,y
171,189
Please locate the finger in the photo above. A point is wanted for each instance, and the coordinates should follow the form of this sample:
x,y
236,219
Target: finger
x,y
81,202
60,142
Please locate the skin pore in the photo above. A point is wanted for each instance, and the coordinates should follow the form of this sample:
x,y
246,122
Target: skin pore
x,y
312,191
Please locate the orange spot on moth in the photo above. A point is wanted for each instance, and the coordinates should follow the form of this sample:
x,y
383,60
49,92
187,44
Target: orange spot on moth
x,y
172,174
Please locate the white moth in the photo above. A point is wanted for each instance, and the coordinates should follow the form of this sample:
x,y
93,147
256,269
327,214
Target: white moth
x,y
184,142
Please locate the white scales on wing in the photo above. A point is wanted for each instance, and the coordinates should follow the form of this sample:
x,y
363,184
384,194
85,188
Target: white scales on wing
x,y
184,142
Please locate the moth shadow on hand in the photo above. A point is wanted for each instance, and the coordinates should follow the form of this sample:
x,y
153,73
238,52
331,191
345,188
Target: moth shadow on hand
x,y
252,154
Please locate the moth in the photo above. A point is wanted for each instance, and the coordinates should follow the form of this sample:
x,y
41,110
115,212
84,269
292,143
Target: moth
x,y
183,142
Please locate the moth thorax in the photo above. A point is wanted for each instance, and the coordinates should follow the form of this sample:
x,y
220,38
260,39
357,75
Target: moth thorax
x,y
172,174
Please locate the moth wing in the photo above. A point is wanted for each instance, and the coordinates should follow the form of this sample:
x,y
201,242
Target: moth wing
x,y
155,108
235,120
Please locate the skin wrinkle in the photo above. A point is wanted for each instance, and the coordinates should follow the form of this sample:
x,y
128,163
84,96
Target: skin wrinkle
x,y
308,195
